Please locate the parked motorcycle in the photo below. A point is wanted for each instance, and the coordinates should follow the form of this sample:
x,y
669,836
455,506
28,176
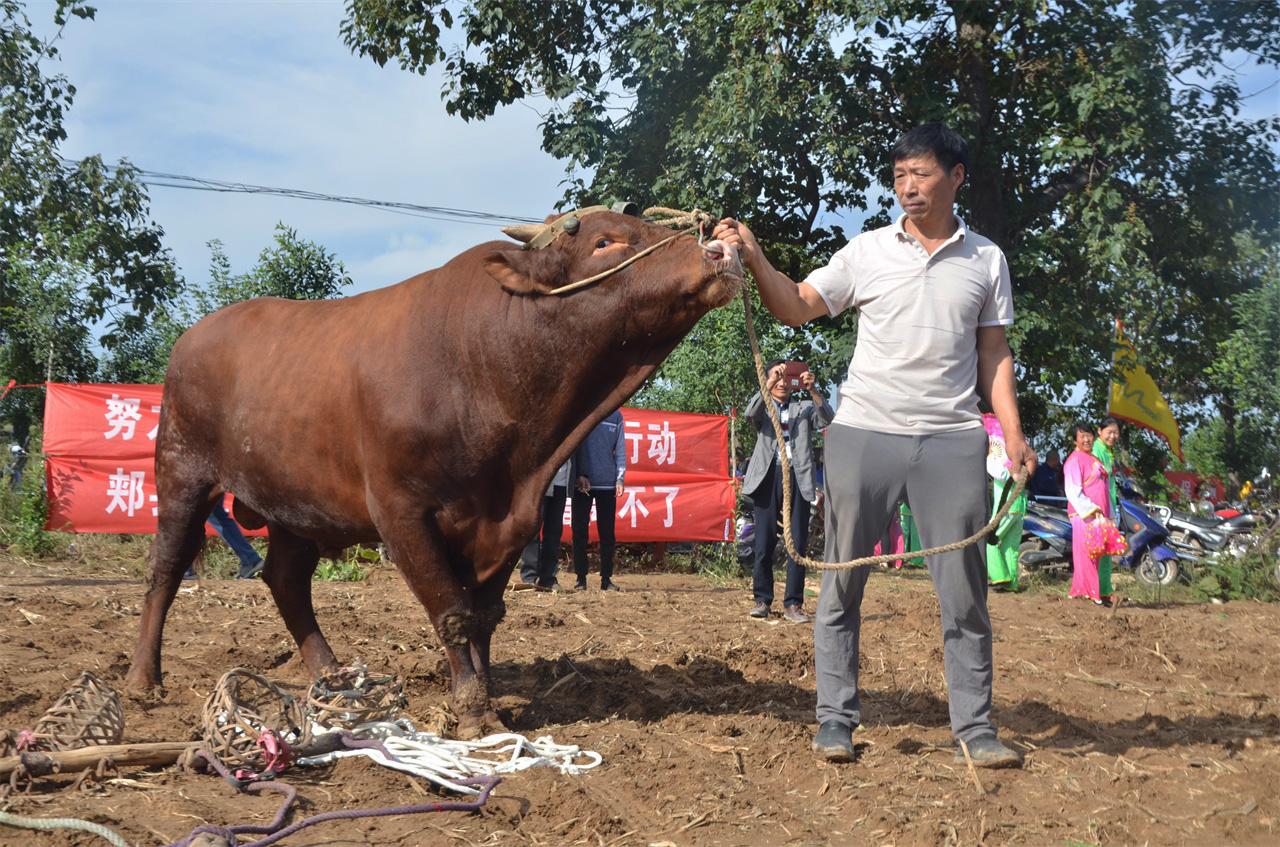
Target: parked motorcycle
x,y
1199,536
1152,560
1046,538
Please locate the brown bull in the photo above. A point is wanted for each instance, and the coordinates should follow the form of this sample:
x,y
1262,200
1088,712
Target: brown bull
x,y
429,415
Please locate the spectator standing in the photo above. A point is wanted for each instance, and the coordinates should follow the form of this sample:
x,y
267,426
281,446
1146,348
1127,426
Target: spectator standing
x,y
1087,501
541,555
763,483
1103,450
600,466
1002,557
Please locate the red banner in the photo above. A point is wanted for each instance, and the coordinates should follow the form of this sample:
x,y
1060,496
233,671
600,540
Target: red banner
x,y
100,472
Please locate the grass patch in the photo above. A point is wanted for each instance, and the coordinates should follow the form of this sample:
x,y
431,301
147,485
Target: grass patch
x,y
354,566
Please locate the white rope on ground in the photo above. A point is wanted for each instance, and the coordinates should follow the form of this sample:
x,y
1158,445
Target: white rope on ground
x,y
443,761
50,824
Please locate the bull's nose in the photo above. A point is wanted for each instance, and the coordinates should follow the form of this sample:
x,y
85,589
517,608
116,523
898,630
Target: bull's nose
x,y
718,251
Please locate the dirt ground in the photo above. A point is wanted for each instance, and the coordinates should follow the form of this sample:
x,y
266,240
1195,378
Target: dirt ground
x,y
1146,725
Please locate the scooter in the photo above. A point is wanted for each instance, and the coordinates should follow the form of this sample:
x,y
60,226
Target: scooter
x,y
1152,560
1046,538
1047,541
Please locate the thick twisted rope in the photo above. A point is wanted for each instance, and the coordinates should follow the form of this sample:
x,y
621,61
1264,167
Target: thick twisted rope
x,y
691,222
52,824
1020,480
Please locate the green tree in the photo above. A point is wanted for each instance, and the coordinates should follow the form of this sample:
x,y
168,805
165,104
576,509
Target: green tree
x,y
79,254
1245,436
1110,158
292,268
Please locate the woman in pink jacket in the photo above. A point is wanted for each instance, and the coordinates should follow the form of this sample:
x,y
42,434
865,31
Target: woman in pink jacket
x,y
1088,501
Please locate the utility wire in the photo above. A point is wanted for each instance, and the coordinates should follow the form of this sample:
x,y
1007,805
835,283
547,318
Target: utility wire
x,y
437,213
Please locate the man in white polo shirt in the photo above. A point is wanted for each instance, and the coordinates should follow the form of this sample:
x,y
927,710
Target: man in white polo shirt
x,y
933,300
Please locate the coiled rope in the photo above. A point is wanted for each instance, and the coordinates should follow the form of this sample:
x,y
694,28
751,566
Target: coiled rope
x,y
1020,481
449,763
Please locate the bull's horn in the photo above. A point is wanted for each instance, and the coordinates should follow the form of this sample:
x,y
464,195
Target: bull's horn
x,y
524,233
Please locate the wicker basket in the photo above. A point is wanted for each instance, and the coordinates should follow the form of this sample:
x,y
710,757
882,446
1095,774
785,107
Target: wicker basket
x,y
87,713
352,696
243,705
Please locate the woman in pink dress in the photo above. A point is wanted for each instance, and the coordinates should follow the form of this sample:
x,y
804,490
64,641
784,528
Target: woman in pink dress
x,y
1088,500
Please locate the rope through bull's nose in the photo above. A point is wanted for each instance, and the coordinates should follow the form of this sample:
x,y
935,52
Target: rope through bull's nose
x,y
689,223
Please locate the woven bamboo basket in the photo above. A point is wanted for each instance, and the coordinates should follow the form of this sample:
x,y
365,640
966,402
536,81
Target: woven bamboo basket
x,y
87,713
243,705
352,696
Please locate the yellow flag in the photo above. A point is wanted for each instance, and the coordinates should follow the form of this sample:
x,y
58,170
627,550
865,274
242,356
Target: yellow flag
x,y
1135,398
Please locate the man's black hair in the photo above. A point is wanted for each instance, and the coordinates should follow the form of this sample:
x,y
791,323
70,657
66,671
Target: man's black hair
x,y
773,363
938,140
1081,426
1108,421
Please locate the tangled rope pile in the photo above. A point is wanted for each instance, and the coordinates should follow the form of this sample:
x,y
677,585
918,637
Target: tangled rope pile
x,y
450,764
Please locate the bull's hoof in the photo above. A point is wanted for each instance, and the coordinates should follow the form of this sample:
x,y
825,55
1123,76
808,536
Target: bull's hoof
x,y
141,682
471,727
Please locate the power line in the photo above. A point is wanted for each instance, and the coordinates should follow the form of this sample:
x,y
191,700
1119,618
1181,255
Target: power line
x,y
446,214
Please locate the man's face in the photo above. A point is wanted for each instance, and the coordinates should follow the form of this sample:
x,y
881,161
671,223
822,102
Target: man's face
x,y
924,187
779,391
1084,441
1109,435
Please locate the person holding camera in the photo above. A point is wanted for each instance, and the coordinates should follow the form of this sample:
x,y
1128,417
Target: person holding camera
x,y
763,481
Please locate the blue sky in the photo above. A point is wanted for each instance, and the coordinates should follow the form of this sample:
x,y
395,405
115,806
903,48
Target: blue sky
x,y
265,93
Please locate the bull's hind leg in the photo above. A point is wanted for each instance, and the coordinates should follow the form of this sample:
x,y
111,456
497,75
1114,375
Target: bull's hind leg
x,y
184,507
291,562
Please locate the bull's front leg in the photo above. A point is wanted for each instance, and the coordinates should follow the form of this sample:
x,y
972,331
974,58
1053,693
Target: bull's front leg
x,y
489,613
447,591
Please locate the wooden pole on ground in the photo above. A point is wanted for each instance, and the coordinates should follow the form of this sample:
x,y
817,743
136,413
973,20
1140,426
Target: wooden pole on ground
x,y
41,763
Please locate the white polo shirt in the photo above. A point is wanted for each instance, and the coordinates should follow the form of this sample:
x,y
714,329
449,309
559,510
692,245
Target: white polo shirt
x,y
915,367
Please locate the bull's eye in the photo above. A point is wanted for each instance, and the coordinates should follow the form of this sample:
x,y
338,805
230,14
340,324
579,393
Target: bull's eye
x,y
602,243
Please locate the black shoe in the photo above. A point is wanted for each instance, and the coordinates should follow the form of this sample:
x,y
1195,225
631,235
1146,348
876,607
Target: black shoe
x,y
834,742
251,572
580,585
190,574
760,610
987,752
609,586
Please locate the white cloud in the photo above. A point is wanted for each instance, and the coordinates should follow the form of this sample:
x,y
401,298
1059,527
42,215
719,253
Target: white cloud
x,y
267,94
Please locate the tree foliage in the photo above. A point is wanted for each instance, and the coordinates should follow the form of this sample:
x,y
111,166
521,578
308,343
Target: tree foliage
x,y
1110,157
77,247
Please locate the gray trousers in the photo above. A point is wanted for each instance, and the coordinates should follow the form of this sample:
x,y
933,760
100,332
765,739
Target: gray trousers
x,y
944,478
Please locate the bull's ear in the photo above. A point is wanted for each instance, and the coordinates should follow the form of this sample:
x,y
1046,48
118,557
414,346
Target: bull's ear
x,y
526,272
